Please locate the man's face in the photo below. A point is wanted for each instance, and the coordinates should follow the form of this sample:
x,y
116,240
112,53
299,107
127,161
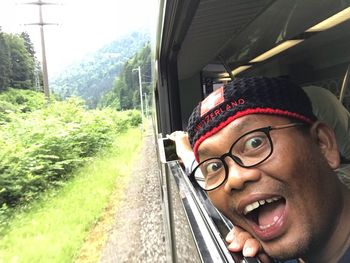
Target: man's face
x,y
288,201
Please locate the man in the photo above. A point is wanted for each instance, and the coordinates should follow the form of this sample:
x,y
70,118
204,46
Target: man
x,y
268,165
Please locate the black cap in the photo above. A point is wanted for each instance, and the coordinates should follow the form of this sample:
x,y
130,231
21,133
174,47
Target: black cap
x,y
244,96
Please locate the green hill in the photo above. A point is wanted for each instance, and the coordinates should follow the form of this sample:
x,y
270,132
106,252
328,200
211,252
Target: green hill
x,y
94,76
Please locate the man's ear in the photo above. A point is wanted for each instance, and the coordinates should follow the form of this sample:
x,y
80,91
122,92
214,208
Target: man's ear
x,y
325,139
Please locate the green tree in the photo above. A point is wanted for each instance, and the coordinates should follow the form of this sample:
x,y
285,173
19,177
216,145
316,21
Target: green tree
x,y
126,87
36,74
5,62
23,65
28,44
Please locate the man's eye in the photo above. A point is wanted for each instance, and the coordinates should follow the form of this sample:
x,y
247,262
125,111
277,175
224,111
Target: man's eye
x,y
213,168
253,143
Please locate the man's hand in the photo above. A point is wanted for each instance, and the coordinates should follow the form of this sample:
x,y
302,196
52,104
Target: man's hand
x,y
183,146
241,241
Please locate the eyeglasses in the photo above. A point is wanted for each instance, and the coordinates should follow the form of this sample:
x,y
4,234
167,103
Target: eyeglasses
x,y
249,150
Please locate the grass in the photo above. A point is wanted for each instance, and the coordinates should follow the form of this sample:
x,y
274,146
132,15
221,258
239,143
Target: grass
x,y
54,228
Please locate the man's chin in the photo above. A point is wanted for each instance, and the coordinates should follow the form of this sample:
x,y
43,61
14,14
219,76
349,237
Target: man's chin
x,y
286,248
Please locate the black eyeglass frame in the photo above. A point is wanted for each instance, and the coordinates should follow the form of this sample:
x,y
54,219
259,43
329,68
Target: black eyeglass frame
x,y
265,130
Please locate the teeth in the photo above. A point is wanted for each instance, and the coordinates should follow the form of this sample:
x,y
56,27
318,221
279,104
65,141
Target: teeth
x,y
251,207
258,203
269,200
261,202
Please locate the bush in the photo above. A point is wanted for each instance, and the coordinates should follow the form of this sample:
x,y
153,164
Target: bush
x,y
23,100
135,118
40,148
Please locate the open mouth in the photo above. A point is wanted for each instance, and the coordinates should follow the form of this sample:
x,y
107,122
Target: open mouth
x,y
266,215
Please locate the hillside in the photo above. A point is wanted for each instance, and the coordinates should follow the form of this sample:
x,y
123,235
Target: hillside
x,y
125,93
95,74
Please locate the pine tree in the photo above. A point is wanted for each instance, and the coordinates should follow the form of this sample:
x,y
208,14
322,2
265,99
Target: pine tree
x,y
35,75
22,76
5,62
28,44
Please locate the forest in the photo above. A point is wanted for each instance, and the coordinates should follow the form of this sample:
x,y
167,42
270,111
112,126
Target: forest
x,y
125,92
19,66
94,75
42,142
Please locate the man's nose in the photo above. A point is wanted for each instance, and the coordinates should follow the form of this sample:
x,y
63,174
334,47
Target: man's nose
x,y
238,176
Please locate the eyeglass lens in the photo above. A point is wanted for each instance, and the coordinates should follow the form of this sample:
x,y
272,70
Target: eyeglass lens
x,y
249,150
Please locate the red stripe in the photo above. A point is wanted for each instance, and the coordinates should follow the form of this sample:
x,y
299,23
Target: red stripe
x,y
244,113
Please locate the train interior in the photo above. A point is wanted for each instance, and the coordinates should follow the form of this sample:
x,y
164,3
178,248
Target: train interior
x,y
206,43
270,38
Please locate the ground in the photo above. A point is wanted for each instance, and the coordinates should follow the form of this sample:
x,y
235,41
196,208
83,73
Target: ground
x,y
132,228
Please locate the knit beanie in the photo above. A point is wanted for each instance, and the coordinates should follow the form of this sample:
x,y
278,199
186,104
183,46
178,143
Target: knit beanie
x,y
244,96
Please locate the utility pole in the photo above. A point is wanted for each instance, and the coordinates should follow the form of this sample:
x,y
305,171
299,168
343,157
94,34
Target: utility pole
x,y
146,105
41,23
140,85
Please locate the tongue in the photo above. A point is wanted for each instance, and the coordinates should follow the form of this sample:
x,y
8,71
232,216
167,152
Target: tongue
x,y
269,213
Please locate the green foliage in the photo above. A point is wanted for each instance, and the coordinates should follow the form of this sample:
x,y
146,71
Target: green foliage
x,y
16,101
135,118
28,44
22,70
5,65
40,147
18,61
125,89
53,228
23,100
95,74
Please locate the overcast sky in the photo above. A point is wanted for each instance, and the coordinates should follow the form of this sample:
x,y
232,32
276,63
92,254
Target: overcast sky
x,y
83,25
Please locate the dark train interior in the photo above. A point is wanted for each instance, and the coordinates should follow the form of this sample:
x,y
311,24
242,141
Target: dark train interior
x,y
205,43
201,45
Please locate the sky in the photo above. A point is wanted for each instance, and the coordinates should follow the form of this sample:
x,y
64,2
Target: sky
x,y
83,26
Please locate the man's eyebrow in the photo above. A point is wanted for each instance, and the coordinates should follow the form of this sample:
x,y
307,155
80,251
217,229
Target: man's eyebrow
x,y
203,152
239,127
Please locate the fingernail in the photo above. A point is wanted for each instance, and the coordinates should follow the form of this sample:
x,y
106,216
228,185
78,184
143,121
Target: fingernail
x,y
247,251
233,245
229,237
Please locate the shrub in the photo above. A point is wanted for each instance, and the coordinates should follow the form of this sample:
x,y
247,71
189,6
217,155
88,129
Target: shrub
x,y
23,100
40,148
135,118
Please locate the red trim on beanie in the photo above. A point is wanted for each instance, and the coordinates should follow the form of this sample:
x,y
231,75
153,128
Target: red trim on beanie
x,y
244,113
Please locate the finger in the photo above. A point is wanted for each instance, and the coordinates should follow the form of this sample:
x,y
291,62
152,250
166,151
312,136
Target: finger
x,y
229,236
251,247
171,137
235,231
239,239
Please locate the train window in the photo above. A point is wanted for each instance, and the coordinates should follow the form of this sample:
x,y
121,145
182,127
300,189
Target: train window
x,y
205,44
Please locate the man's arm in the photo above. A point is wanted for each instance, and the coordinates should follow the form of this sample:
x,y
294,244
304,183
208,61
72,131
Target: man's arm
x,y
183,149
